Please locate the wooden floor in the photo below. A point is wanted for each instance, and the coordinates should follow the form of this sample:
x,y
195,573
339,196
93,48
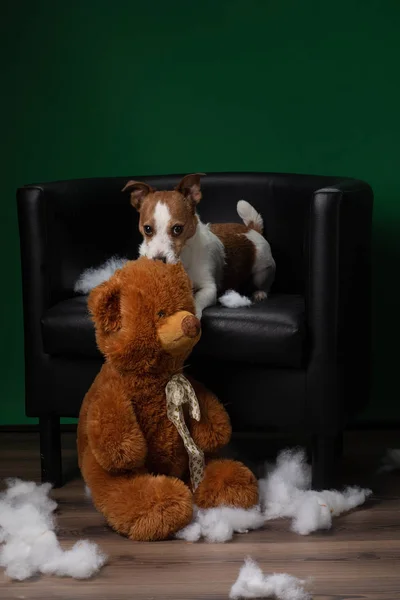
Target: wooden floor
x,y
358,559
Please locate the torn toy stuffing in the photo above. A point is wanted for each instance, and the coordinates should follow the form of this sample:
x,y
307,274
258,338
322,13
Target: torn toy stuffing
x,y
391,461
252,583
94,276
232,299
29,544
217,525
285,492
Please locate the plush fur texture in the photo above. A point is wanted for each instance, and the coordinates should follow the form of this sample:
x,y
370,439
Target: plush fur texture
x,y
131,456
252,583
29,544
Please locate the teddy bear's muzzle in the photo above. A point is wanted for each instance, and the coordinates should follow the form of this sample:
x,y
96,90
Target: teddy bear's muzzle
x,y
191,326
179,332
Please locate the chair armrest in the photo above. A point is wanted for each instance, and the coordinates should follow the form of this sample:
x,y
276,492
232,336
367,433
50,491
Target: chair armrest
x,y
68,226
35,285
338,295
33,236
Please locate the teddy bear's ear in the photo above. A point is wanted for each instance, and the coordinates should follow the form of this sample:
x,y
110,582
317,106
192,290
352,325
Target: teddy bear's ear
x,y
104,306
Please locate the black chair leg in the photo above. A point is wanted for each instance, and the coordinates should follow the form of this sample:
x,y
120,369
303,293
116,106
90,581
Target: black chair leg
x,y
339,447
326,454
50,450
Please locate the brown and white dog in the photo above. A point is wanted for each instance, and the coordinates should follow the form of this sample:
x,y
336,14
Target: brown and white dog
x,y
217,257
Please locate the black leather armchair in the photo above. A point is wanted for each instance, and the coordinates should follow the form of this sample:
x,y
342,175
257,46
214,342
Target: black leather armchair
x,y
298,361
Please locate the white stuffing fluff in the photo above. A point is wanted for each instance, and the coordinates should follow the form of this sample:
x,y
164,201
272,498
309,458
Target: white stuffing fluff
x,y
88,493
252,583
391,461
232,299
94,276
217,525
29,544
285,492
190,533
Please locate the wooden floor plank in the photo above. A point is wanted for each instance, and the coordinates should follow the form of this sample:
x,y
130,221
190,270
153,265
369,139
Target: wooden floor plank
x,y
359,559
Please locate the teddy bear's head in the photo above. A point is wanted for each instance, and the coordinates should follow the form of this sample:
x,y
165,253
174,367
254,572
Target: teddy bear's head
x,y
143,316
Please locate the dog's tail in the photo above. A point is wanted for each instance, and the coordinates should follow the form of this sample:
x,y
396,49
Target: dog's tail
x,y
250,217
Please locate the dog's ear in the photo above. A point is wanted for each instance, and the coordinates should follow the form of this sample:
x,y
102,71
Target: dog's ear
x,y
139,191
104,305
189,186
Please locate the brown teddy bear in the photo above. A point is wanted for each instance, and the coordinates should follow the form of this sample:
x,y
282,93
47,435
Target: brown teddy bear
x,y
133,452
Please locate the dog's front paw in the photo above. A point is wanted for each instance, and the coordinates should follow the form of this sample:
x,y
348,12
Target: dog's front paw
x,y
259,296
199,313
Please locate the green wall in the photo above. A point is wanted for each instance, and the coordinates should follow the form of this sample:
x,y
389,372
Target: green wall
x,y
95,88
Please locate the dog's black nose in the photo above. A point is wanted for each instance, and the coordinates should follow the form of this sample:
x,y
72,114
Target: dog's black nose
x,y
159,257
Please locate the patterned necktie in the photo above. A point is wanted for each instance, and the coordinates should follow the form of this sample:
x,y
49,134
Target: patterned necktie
x,y
179,391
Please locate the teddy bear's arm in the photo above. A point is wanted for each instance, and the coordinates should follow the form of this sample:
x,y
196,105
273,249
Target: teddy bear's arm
x,y
114,435
213,431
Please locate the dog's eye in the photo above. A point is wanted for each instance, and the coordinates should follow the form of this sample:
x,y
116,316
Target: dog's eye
x,y
161,314
177,229
148,230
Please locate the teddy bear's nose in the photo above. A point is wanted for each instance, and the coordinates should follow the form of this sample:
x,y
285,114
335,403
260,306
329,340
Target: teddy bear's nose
x,y
191,326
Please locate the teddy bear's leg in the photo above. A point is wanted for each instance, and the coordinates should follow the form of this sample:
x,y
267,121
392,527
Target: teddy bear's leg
x,y
142,506
228,483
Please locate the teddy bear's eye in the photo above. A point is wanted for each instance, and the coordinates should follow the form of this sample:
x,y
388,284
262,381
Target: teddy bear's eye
x,y
161,314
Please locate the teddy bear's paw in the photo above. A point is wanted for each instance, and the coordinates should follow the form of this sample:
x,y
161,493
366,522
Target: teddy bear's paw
x,y
164,506
227,483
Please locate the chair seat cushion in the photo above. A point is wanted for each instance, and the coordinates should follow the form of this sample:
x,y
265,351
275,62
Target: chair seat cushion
x,y
270,332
